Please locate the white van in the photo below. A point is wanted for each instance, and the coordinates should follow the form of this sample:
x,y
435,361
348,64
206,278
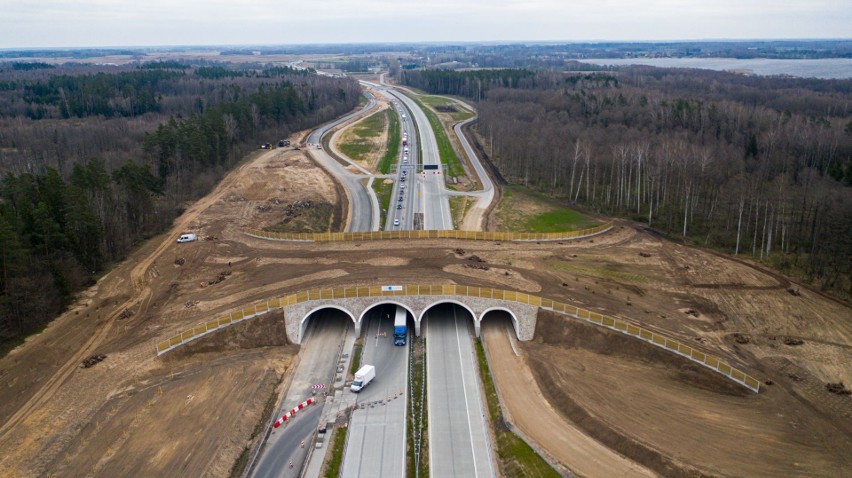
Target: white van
x,y
187,237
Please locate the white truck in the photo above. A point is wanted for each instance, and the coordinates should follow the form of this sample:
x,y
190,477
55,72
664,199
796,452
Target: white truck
x,y
363,376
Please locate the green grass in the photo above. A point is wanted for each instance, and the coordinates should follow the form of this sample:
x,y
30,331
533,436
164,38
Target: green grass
x,y
338,441
523,210
392,150
516,457
383,192
458,207
416,384
356,356
445,148
460,115
359,146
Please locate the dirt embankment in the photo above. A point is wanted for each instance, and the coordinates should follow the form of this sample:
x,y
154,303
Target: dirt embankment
x,y
676,417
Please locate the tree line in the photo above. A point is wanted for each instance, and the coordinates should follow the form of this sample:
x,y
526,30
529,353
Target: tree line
x,y
754,166
77,193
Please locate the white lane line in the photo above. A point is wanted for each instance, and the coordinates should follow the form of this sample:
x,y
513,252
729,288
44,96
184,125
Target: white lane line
x,y
464,390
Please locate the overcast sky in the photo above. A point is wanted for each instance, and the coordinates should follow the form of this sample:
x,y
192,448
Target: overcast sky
x,y
73,23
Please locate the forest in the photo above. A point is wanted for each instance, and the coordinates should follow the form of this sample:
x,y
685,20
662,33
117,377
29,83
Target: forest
x,y
755,166
95,159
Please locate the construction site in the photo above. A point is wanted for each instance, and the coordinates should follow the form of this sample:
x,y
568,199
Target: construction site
x,y
89,396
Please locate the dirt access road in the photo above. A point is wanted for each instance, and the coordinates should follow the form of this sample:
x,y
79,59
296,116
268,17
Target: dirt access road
x,y
194,411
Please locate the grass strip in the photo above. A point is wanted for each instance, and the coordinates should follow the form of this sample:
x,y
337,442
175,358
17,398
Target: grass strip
x,y
515,456
383,193
418,411
445,149
338,442
356,356
458,207
460,114
392,150
359,145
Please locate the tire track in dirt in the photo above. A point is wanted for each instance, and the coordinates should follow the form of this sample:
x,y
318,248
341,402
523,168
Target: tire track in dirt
x,y
140,293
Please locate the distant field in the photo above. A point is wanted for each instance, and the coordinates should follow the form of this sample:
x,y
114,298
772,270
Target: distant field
x,y
523,210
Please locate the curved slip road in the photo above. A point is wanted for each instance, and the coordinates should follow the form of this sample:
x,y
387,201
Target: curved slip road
x,y
361,213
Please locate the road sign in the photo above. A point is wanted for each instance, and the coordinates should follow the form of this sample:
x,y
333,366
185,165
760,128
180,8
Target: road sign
x,y
318,386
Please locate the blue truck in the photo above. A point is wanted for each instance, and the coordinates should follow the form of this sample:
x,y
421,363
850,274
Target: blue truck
x,y
400,334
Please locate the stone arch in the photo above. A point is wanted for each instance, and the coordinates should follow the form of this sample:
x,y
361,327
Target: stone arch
x,y
502,309
304,322
419,319
373,306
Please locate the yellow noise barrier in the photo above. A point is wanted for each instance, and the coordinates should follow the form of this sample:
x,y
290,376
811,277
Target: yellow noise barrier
x,y
612,323
430,234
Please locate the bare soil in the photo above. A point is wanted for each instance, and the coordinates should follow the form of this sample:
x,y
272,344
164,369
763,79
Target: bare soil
x,y
194,410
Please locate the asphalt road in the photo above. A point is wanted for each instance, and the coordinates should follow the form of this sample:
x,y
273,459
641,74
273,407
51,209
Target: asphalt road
x,y
458,441
426,193
360,207
433,201
376,443
317,362
486,195
406,188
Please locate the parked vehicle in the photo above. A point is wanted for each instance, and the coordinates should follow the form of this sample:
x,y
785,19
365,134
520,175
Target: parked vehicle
x,y
363,376
189,237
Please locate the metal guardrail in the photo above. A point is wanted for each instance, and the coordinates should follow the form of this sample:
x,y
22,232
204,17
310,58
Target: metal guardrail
x,y
618,325
428,234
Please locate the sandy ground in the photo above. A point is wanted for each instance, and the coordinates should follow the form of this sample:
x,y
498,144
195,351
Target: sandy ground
x,y
540,421
204,401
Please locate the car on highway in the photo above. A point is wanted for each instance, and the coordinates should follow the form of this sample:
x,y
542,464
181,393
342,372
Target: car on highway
x,y
396,222
319,146
400,199
399,206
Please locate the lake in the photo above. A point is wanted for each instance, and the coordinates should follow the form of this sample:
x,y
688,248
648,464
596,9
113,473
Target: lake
x,y
829,68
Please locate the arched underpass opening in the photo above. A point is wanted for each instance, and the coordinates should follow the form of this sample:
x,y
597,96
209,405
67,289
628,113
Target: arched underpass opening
x,y
325,320
500,317
379,321
446,316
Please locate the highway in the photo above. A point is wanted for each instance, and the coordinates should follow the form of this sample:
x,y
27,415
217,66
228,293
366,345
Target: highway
x,y
458,440
433,198
376,443
404,189
426,192
360,206
317,362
